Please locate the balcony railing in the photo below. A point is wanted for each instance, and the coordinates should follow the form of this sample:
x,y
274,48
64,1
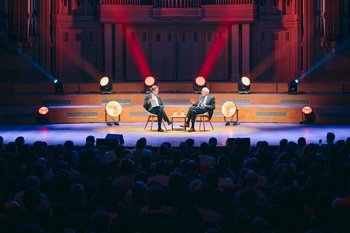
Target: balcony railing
x,y
177,3
126,2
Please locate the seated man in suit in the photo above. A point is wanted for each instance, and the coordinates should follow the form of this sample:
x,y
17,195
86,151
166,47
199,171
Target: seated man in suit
x,y
205,103
153,104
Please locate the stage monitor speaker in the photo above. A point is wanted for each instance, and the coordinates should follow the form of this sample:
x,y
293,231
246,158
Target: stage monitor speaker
x,y
234,141
104,142
118,137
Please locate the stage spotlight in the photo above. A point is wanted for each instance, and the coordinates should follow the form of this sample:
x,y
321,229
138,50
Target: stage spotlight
x,y
293,87
244,85
106,85
58,87
198,84
42,117
149,82
308,115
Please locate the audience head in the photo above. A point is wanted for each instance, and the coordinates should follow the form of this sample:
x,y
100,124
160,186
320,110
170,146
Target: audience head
x,y
90,139
99,222
251,178
204,148
161,167
260,225
156,197
190,143
140,144
301,142
213,140
2,147
330,137
204,195
127,166
19,141
163,150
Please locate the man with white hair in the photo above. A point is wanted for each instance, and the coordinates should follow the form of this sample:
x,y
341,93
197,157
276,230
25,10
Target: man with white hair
x,y
205,103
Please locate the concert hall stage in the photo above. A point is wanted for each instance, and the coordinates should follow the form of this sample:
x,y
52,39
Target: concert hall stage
x,y
269,113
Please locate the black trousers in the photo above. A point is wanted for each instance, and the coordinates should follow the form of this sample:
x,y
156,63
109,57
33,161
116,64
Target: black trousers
x,y
159,111
193,111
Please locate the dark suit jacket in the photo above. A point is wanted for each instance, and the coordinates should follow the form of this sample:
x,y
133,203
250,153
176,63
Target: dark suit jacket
x,y
147,105
210,102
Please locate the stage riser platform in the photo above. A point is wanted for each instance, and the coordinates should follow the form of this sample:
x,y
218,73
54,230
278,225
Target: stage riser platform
x,y
262,107
178,99
135,113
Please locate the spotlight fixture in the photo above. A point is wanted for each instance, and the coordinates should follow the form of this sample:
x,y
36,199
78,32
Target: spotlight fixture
x,y
112,112
293,87
148,83
198,84
42,117
58,87
106,85
308,115
244,85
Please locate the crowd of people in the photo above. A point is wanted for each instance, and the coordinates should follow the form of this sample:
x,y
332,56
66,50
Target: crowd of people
x,y
295,187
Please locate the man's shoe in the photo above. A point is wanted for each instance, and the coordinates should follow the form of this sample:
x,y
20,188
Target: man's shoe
x,y
160,130
185,125
191,130
170,122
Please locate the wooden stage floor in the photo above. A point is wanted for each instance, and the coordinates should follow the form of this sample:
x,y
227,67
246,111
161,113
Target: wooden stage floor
x,y
55,134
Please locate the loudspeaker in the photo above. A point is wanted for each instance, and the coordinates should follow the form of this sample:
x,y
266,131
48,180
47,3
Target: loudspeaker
x,y
118,137
104,142
234,141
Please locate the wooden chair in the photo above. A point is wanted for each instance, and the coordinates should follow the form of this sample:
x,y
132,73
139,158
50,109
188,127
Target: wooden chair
x,y
153,118
205,117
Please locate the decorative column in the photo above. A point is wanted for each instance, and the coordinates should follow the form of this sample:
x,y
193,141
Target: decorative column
x,y
235,52
246,50
308,14
108,51
118,53
44,9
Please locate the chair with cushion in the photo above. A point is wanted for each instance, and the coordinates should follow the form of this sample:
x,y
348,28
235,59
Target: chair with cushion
x,y
205,117
153,118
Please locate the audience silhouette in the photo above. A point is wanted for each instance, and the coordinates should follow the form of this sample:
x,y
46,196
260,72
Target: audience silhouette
x,y
294,187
